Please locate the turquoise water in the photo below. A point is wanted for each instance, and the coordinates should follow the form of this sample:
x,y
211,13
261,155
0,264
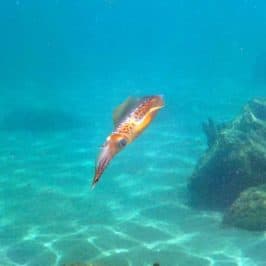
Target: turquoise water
x,y
65,66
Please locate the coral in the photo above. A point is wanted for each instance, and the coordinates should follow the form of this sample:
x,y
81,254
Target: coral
x,y
249,210
235,160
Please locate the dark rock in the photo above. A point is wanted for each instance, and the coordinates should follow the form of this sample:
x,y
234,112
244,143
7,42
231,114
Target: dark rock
x,y
235,161
211,130
39,120
249,210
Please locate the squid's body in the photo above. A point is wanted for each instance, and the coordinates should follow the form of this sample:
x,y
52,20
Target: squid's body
x,y
130,119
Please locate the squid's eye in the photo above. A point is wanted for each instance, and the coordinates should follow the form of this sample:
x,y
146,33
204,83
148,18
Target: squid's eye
x,y
122,143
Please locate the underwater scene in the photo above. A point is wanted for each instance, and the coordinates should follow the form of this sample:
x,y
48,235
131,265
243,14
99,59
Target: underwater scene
x,y
133,133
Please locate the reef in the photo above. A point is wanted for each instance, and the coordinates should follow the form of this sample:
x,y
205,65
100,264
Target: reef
x,y
249,210
234,161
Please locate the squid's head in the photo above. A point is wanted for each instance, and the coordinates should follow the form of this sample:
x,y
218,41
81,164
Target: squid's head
x,y
114,144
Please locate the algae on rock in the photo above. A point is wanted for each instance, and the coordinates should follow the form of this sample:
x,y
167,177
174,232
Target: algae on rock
x,y
249,210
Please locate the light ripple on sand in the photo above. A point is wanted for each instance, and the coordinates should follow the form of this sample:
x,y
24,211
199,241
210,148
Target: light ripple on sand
x,y
133,218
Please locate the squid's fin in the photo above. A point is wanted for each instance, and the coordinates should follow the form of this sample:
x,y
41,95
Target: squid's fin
x,y
124,109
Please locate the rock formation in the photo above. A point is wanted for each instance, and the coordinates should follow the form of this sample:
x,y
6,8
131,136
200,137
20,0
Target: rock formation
x,y
234,161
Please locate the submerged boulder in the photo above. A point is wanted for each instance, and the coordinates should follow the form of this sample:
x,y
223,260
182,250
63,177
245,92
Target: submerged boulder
x,y
249,210
234,161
